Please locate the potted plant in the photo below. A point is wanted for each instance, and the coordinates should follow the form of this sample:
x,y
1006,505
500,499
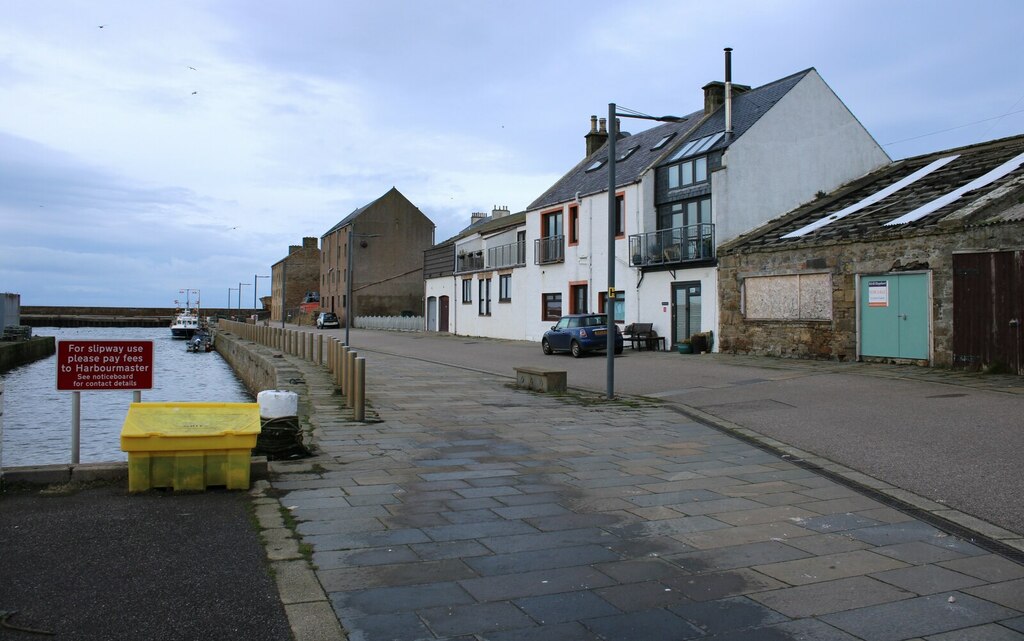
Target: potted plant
x,y
684,347
699,343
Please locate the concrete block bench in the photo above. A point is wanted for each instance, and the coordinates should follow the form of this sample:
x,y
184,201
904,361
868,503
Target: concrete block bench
x,y
541,380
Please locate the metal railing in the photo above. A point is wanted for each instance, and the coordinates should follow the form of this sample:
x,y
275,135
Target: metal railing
x,y
550,249
672,246
510,255
500,257
471,262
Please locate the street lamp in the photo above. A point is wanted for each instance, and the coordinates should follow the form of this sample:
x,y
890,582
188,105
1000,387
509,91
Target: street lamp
x,y
255,288
230,289
349,303
609,306
240,286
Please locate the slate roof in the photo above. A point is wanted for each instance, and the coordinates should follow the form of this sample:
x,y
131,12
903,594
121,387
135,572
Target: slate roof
x,y
995,203
748,107
488,225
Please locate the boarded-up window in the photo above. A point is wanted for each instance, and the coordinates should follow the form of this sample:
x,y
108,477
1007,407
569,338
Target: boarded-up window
x,y
797,297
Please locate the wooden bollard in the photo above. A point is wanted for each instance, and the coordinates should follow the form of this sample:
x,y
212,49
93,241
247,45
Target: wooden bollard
x,y
359,385
350,368
319,349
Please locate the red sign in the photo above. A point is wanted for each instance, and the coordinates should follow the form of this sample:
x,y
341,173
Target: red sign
x,y
104,365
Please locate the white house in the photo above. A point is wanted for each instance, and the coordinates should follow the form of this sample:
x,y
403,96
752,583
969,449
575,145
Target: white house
x,y
683,188
474,282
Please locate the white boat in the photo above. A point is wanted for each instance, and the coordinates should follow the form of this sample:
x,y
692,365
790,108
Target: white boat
x,y
186,319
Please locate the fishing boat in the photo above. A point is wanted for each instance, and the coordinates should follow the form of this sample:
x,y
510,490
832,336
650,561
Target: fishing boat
x,y
186,319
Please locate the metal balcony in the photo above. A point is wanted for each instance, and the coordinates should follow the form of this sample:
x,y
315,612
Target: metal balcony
x,y
500,257
672,246
547,250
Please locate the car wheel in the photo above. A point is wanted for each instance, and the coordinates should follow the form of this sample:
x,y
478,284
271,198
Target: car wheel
x,y
547,348
577,351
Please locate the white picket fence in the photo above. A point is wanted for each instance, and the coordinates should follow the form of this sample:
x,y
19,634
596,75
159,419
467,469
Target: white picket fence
x,y
398,323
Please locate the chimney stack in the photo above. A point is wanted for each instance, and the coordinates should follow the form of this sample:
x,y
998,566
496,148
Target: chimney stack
x,y
595,139
476,217
309,242
499,212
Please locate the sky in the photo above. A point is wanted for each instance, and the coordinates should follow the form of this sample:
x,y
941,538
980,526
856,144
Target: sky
x,y
149,147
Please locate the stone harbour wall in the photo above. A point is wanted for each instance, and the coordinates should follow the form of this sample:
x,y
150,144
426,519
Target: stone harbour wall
x,y
15,353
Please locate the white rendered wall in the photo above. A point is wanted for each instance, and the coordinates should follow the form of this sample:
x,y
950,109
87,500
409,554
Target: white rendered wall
x,y
808,142
586,262
438,287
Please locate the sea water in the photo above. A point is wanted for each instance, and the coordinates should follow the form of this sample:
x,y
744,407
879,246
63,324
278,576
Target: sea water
x,y
37,417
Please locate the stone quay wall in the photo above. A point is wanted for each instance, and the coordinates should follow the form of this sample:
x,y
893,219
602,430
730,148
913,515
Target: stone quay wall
x,y
257,371
15,353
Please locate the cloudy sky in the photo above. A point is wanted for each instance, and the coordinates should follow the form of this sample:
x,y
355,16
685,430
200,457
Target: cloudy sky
x,y
150,146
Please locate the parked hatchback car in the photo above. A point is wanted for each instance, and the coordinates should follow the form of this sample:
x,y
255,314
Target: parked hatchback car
x,y
327,319
579,334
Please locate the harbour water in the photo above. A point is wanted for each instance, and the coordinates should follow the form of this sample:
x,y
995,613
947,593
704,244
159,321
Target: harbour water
x,y
37,417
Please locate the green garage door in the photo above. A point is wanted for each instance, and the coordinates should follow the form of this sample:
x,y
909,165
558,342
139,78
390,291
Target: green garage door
x,y
894,316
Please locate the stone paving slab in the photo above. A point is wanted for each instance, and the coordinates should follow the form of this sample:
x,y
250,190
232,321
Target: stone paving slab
x,y
472,510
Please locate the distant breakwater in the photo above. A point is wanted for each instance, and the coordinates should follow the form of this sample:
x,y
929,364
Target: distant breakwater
x,y
58,316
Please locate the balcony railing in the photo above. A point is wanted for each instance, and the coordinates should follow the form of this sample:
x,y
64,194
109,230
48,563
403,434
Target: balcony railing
x,y
672,246
510,255
500,257
550,249
471,262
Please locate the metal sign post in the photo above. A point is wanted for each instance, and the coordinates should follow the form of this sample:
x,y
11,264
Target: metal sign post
x,y
101,365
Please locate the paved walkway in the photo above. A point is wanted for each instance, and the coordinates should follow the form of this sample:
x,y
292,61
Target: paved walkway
x,y
472,510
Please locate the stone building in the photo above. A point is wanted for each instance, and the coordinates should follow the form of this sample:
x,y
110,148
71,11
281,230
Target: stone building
x,y
388,236
293,277
921,262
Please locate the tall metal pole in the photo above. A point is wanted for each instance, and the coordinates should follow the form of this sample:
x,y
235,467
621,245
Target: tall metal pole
x,y
254,288
609,304
348,287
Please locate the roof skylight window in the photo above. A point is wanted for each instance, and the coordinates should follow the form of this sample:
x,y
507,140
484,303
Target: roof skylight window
x,y
697,146
979,182
906,181
597,164
664,141
627,153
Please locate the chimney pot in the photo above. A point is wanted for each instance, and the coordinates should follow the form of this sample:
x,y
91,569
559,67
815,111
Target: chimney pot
x,y
604,126
593,124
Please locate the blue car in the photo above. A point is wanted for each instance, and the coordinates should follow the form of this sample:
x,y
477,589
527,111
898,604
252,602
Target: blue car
x,y
579,334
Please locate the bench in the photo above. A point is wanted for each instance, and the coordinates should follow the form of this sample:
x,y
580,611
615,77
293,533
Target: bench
x,y
541,380
643,336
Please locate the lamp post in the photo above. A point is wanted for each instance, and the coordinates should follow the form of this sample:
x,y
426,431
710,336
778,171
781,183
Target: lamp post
x,y
349,306
255,288
613,134
240,285
230,289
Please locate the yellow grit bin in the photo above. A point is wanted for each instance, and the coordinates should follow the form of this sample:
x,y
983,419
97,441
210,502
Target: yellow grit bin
x,y
189,446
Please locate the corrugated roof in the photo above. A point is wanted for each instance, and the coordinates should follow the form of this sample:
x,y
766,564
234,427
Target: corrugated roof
x,y
992,203
748,107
